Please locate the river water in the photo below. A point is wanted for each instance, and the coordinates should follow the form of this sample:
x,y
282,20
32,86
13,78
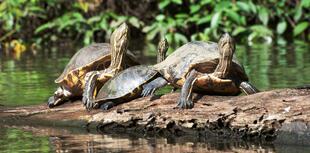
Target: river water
x,y
28,78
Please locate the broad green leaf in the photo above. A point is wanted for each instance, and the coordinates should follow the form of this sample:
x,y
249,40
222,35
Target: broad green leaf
x,y
177,1
36,9
43,27
263,15
253,7
298,14
104,24
181,15
244,6
216,18
152,34
233,16
180,38
149,28
205,19
222,5
238,30
204,2
243,20
301,27
261,30
281,27
163,4
194,8
160,17
135,22
195,18
78,16
305,3
93,19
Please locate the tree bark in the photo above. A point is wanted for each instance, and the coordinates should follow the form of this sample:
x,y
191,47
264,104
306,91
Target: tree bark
x,y
279,115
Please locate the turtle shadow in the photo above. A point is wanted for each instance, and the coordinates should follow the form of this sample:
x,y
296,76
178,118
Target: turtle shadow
x,y
197,97
155,97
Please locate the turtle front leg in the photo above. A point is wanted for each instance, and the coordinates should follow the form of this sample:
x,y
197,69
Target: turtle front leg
x,y
93,82
186,101
151,87
197,78
90,88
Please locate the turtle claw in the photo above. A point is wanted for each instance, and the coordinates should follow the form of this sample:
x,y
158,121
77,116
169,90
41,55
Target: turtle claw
x,y
88,104
147,91
84,100
185,104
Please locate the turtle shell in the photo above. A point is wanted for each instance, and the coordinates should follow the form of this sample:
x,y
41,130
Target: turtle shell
x,y
126,84
202,56
96,56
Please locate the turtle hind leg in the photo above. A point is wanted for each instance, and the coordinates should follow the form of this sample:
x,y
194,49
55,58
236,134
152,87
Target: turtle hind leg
x,y
151,87
185,101
50,102
60,96
248,88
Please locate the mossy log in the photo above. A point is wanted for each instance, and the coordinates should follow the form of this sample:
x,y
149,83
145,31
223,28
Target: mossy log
x,y
279,115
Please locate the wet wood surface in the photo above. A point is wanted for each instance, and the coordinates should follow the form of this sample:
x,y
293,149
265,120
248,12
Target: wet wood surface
x,y
278,115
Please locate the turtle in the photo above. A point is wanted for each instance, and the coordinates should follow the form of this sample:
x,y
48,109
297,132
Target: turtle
x,y
107,57
201,67
126,85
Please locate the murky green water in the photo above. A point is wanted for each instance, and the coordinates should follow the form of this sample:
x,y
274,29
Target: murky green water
x,y
30,80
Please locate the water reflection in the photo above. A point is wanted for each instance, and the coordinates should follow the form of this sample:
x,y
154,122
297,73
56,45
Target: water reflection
x,y
57,139
43,139
30,79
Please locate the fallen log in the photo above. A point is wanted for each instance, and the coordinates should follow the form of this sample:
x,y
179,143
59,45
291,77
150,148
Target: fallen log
x,y
281,116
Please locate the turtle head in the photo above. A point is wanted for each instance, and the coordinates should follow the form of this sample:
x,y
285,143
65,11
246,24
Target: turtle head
x,y
119,41
61,95
163,46
226,44
119,37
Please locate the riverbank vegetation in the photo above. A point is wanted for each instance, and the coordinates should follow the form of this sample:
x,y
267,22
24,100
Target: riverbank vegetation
x,y
37,21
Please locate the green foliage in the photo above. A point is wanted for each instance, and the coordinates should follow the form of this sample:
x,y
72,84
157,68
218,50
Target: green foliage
x,y
208,19
13,14
180,21
300,28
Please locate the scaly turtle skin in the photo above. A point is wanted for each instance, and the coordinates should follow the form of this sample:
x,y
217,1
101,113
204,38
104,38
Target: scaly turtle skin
x,y
91,58
203,67
126,85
